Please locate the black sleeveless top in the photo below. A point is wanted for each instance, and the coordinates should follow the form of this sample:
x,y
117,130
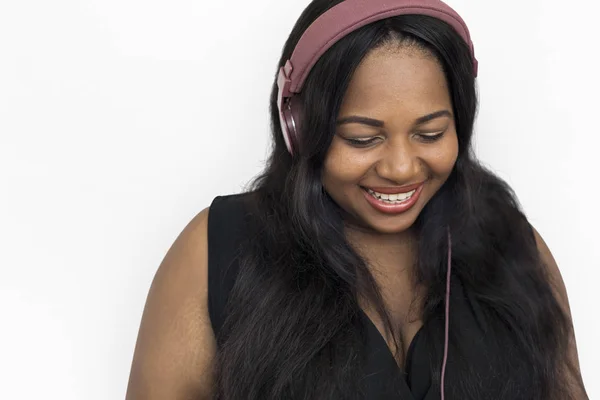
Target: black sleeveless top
x,y
384,380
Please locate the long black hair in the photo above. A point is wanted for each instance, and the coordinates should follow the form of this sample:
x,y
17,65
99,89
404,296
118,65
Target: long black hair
x,y
292,329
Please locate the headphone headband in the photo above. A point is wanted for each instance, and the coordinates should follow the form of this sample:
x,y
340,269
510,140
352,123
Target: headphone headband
x,y
336,23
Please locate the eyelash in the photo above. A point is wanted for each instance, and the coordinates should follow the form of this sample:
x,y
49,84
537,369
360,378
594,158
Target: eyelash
x,y
361,143
432,138
367,142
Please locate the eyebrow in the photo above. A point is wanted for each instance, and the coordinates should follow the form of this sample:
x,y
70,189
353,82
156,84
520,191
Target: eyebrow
x,y
355,119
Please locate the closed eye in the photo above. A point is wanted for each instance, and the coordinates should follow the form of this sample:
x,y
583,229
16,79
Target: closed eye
x,y
361,142
430,138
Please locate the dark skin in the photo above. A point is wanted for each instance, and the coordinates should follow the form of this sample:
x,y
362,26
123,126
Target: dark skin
x,y
397,86
409,137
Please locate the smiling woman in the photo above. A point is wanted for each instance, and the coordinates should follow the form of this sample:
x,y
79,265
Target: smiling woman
x,y
400,93
375,257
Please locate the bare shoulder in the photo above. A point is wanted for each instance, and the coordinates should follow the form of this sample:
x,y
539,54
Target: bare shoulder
x,y
577,386
552,269
175,345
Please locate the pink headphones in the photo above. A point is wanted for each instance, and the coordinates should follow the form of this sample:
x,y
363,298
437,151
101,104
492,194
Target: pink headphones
x,y
333,25
330,27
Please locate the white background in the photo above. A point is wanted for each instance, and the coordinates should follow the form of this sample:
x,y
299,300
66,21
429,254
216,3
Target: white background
x,y
121,119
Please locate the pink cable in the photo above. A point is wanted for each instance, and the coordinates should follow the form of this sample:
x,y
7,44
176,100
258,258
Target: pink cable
x,y
447,328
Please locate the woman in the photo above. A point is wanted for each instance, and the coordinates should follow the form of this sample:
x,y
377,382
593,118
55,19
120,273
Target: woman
x,y
374,258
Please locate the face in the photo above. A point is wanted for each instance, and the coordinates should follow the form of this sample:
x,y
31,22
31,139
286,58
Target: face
x,y
395,144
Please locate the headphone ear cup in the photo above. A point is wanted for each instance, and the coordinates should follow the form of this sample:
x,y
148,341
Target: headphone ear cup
x,y
294,113
287,127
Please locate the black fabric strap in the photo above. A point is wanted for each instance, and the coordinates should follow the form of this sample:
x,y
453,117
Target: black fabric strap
x,y
226,226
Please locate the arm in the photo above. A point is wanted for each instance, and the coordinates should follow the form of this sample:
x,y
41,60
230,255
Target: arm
x,y
578,389
175,344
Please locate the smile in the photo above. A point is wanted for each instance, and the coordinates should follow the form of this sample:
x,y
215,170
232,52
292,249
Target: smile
x,y
393,203
392,198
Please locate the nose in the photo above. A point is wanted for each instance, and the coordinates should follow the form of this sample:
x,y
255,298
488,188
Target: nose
x,y
399,162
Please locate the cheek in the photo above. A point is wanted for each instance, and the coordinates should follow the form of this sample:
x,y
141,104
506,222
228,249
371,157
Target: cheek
x,y
342,166
442,158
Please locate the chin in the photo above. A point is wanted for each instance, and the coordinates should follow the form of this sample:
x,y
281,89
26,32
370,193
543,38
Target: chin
x,y
392,227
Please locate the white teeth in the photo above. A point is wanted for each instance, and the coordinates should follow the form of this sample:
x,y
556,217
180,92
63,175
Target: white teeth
x,y
392,198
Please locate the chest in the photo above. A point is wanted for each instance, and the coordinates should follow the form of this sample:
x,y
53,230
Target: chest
x,y
404,304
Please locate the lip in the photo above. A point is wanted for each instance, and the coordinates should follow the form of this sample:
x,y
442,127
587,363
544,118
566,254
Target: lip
x,y
394,208
394,189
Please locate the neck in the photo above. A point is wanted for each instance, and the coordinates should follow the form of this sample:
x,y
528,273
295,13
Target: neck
x,y
389,252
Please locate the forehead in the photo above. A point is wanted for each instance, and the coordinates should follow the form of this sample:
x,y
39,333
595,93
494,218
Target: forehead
x,y
396,78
